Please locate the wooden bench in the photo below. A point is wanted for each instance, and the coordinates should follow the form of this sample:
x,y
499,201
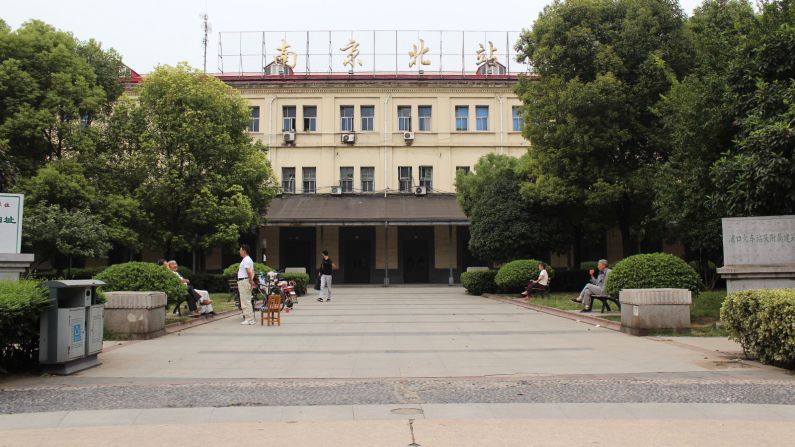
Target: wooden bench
x,y
606,300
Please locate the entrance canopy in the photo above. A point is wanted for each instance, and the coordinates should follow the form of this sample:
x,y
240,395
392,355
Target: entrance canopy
x,y
313,210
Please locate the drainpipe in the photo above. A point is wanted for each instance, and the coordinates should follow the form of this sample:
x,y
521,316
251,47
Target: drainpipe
x,y
386,144
270,128
502,131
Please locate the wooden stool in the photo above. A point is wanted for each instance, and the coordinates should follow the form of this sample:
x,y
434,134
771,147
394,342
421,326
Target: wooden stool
x,y
272,311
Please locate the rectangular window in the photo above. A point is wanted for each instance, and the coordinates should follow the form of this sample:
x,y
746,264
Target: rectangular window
x,y
462,118
482,118
368,118
404,179
368,179
288,180
462,169
310,118
518,118
425,118
309,179
346,116
404,118
346,179
426,177
253,124
288,119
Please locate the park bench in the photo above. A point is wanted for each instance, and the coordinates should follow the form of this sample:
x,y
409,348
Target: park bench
x,y
606,300
542,293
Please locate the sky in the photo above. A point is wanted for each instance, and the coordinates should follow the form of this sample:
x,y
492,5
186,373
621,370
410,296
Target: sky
x,y
151,32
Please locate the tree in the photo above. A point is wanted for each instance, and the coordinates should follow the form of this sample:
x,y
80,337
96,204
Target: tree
x,y
505,226
602,66
51,86
188,159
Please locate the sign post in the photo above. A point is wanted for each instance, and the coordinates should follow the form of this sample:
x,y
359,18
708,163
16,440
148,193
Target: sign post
x,y
12,260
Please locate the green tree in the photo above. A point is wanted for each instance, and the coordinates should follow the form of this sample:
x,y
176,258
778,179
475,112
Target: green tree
x,y
49,83
189,160
602,66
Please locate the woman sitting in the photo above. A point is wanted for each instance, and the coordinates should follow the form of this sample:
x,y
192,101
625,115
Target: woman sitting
x,y
541,283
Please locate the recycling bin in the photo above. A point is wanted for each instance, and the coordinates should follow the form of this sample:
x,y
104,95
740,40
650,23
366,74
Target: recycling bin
x,y
71,329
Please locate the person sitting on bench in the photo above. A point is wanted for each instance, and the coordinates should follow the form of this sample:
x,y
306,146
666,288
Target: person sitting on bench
x,y
541,283
193,295
595,286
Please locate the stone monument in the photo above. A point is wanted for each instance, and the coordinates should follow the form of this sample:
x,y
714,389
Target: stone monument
x,y
12,262
758,252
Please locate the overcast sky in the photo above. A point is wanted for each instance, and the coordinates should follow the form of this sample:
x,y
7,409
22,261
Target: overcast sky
x,y
152,32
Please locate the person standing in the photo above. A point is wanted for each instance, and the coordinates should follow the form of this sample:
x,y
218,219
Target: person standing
x,y
245,283
325,270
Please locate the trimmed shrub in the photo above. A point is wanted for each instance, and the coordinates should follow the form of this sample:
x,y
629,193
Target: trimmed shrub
x,y
143,277
21,305
231,271
75,273
211,282
301,281
570,280
653,271
478,283
185,272
763,322
589,265
514,276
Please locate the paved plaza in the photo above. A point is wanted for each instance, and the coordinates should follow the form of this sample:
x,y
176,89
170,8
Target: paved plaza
x,y
403,360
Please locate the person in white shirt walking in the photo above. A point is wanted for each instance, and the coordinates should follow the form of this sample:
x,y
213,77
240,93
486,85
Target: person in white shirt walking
x,y
541,283
245,283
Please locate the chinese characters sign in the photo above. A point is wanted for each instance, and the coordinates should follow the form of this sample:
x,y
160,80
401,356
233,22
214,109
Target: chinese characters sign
x,y
759,240
10,223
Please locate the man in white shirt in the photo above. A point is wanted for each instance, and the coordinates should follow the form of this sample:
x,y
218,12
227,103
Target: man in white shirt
x,y
541,283
194,297
245,283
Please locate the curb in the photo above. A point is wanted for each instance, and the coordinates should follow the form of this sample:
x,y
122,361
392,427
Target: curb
x,y
580,318
177,327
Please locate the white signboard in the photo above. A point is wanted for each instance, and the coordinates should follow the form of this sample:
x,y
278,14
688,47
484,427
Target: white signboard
x,y
11,222
767,240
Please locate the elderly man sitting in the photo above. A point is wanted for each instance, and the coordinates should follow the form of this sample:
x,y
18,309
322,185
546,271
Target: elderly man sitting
x,y
595,286
196,298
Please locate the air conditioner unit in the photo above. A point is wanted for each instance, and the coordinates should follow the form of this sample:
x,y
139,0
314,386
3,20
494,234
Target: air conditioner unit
x,y
289,137
348,138
336,191
420,191
408,136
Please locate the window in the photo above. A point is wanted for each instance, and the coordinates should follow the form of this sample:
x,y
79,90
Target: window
x,y
310,181
426,177
253,124
482,118
346,114
288,118
404,179
462,118
404,118
85,119
462,169
368,118
288,180
310,118
518,118
368,179
346,179
425,118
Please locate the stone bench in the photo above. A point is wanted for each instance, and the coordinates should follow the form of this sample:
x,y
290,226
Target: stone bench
x,y
645,310
140,315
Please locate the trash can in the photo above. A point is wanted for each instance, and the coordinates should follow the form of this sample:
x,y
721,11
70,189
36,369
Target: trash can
x,y
71,328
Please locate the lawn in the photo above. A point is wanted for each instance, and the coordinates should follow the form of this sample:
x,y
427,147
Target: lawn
x,y
221,303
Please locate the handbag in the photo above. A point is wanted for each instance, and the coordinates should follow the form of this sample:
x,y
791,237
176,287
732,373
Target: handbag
x,y
317,283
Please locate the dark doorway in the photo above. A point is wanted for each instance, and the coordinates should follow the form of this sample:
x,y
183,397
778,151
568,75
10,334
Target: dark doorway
x,y
297,248
356,261
415,260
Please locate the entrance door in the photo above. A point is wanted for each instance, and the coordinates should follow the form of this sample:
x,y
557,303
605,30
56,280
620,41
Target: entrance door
x,y
415,261
356,262
297,248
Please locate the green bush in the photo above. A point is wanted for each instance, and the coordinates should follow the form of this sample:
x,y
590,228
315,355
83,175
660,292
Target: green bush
x,y
763,322
75,273
231,271
21,305
589,265
478,283
653,271
143,277
185,272
301,281
211,282
514,276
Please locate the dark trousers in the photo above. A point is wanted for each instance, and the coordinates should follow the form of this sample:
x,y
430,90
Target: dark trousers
x,y
193,298
532,287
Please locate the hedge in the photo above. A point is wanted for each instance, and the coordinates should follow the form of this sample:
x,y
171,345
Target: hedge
x,y
478,283
75,273
514,276
301,281
211,282
21,305
143,277
570,280
653,271
763,322
231,271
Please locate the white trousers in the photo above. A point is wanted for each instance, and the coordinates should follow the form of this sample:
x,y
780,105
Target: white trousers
x,y
325,286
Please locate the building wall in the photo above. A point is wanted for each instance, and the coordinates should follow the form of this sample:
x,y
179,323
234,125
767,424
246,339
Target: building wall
x,y
392,253
328,238
446,253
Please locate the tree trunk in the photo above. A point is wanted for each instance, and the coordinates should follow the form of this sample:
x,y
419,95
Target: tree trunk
x,y
624,224
577,246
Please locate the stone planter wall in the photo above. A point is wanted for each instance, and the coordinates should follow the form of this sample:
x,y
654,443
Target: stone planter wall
x,y
645,310
141,315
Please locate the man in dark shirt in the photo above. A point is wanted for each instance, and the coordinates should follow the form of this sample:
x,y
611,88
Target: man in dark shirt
x,y
326,267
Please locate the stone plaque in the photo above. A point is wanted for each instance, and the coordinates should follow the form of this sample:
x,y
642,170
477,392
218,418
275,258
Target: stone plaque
x,y
10,223
759,240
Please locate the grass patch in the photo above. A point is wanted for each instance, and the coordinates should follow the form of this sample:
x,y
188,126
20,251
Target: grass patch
x,y
111,335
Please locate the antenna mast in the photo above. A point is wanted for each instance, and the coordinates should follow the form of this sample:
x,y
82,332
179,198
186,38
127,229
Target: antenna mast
x,y
206,28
